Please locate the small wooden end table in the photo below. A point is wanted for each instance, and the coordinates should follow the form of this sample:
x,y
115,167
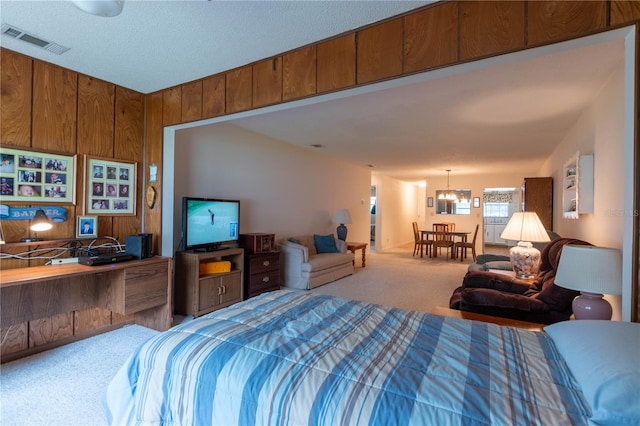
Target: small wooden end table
x,y
353,247
454,313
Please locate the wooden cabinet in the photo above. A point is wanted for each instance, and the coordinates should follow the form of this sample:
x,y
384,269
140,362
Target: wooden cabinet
x,y
47,306
577,186
538,197
199,293
493,228
262,273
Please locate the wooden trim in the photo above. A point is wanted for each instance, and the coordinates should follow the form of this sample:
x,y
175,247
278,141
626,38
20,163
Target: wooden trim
x,y
64,341
507,322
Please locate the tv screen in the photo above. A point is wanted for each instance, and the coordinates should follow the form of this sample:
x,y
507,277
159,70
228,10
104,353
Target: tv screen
x,y
209,224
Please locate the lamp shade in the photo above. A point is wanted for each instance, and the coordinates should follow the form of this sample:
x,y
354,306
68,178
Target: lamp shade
x,y
41,221
590,269
342,216
525,226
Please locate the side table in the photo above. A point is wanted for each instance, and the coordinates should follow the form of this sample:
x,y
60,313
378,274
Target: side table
x,y
353,247
454,313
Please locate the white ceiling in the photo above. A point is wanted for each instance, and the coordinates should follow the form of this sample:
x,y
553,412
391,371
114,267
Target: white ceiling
x,y
482,117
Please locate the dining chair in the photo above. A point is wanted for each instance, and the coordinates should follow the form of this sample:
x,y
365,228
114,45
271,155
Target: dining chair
x,y
464,245
452,226
442,238
420,243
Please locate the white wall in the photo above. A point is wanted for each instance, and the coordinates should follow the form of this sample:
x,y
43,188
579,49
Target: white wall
x,y
598,131
476,184
283,189
398,205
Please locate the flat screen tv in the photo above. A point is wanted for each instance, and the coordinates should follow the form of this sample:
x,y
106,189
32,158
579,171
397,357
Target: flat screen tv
x,y
209,224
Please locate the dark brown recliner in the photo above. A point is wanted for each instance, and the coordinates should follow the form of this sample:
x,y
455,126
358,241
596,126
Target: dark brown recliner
x,y
540,301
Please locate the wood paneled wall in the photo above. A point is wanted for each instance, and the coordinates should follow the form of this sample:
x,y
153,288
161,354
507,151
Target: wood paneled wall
x,y
48,108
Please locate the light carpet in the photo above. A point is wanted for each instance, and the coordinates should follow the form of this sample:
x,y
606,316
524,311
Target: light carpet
x,y
65,386
396,278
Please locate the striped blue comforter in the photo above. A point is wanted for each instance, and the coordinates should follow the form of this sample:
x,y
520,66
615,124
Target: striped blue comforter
x,y
292,357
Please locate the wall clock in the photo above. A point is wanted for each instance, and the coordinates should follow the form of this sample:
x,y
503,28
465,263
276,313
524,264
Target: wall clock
x,y
151,196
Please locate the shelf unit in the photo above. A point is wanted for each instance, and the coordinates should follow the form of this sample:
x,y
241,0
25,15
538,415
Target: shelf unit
x,y
577,186
198,294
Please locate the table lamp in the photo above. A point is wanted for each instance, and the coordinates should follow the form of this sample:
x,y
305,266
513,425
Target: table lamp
x,y
525,227
593,271
39,223
342,216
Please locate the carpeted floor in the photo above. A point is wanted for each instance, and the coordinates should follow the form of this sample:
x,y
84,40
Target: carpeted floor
x,y
65,386
396,278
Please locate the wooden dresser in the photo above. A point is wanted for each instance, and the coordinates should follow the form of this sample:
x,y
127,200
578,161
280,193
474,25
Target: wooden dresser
x,y
262,273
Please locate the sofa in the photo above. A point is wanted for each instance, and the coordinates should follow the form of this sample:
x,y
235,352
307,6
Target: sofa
x,y
302,267
539,300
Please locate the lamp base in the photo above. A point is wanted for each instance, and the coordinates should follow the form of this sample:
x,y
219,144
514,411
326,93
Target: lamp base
x,y
341,231
30,240
525,260
591,306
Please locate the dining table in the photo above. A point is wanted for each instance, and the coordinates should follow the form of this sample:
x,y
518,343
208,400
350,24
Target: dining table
x,y
424,234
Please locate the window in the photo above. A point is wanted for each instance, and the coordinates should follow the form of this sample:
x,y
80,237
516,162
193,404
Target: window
x,y
496,209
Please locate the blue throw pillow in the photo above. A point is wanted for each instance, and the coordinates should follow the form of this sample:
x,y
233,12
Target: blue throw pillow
x,y
325,243
293,240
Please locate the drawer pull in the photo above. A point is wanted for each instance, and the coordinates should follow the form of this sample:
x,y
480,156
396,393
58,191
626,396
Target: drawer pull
x,y
265,279
266,263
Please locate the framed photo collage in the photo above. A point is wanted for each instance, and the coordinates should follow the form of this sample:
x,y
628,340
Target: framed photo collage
x,y
110,187
30,176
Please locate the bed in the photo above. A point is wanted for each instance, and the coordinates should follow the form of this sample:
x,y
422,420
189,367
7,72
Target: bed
x,y
293,357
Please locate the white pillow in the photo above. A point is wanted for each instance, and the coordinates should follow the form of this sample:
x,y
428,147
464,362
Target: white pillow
x,y
604,357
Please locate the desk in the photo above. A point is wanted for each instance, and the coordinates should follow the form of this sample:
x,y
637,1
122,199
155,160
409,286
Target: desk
x,y
424,233
352,247
141,288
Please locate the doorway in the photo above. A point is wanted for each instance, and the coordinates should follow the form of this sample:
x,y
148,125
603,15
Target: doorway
x,y
372,210
498,206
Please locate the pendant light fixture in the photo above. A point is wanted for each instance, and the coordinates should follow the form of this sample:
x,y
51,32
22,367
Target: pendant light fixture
x,y
449,195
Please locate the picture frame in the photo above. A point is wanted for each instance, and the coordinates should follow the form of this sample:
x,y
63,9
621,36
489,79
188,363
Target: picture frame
x,y
429,201
87,227
476,202
110,187
30,176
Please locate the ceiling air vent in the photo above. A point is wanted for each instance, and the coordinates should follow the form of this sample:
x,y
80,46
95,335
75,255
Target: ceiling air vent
x,y
11,31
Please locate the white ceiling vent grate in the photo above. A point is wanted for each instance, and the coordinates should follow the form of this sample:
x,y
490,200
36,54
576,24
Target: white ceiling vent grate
x,y
14,32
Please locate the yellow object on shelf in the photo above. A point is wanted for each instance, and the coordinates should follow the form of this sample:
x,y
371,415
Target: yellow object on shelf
x,y
216,267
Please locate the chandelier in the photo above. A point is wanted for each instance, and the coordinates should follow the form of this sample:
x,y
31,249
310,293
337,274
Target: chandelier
x,y
449,195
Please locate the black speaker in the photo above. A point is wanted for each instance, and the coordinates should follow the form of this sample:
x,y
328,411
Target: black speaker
x,y
139,245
